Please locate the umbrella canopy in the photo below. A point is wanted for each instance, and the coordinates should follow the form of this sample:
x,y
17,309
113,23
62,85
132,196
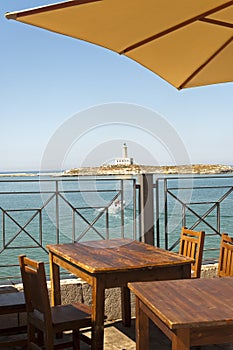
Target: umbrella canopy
x,y
187,43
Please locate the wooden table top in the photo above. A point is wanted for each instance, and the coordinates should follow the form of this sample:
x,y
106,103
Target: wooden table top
x,y
116,255
189,302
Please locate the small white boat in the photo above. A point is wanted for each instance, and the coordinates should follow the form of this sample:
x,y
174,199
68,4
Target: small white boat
x,y
116,206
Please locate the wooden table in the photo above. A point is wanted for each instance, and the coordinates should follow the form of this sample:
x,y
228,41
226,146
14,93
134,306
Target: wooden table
x,y
189,312
113,263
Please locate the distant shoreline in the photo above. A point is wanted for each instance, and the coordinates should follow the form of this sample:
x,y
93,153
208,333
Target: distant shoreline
x,y
133,169
16,174
31,174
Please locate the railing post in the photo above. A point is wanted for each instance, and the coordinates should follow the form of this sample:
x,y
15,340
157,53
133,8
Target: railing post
x,y
57,214
165,215
73,226
3,230
147,208
40,226
134,210
107,224
157,213
122,210
218,217
183,216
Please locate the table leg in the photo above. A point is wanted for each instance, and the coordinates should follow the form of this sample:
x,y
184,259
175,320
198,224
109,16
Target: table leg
x,y
55,282
142,328
125,306
186,271
98,289
181,339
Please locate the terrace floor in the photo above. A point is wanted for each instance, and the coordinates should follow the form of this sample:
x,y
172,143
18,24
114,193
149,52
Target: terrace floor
x,y
117,337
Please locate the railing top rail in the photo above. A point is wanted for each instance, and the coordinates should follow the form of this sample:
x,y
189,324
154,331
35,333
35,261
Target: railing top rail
x,y
84,178
60,191
200,187
193,176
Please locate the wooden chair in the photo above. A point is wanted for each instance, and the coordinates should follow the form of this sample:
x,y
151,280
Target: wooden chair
x,y
12,306
225,265
191,245
41,317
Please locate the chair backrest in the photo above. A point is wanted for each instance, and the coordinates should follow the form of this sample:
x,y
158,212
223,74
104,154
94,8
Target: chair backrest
x,y
35,290
225,264
192,245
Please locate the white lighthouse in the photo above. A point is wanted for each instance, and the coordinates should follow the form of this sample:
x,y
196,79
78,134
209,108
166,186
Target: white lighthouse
x,y
125,160
125,151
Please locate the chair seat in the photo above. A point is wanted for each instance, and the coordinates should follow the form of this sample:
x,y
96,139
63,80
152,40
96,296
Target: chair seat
x,y
68,316
71,315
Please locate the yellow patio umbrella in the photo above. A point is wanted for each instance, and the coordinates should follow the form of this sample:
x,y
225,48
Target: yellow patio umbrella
x,y
186,42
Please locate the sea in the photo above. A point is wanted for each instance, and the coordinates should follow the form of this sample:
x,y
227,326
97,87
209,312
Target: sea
x,y
46,208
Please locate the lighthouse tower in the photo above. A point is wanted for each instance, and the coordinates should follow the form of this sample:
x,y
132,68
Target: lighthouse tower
x,y
125,160
125,151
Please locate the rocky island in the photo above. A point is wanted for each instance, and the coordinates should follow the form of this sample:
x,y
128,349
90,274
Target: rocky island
x,y
135,169
125,165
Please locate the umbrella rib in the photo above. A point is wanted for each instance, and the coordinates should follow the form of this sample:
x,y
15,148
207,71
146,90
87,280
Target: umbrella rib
x,y
205,63
218,23
36,10
176,27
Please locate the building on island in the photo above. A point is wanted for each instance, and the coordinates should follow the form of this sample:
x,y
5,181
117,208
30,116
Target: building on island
x,y
124,160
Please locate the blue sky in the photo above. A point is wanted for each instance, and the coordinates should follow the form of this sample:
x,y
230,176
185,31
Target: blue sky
x,y
47,78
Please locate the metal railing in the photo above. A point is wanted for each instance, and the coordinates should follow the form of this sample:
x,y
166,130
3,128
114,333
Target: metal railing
x,y
36,212
199,203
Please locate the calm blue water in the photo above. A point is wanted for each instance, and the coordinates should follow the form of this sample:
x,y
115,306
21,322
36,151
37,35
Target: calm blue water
x,y
81,204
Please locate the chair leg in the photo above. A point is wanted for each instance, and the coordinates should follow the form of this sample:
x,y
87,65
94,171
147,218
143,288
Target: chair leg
x,y
40,337
76,340
49,341
31,335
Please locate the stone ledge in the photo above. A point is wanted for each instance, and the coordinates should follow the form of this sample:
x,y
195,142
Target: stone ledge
x,y
209,270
